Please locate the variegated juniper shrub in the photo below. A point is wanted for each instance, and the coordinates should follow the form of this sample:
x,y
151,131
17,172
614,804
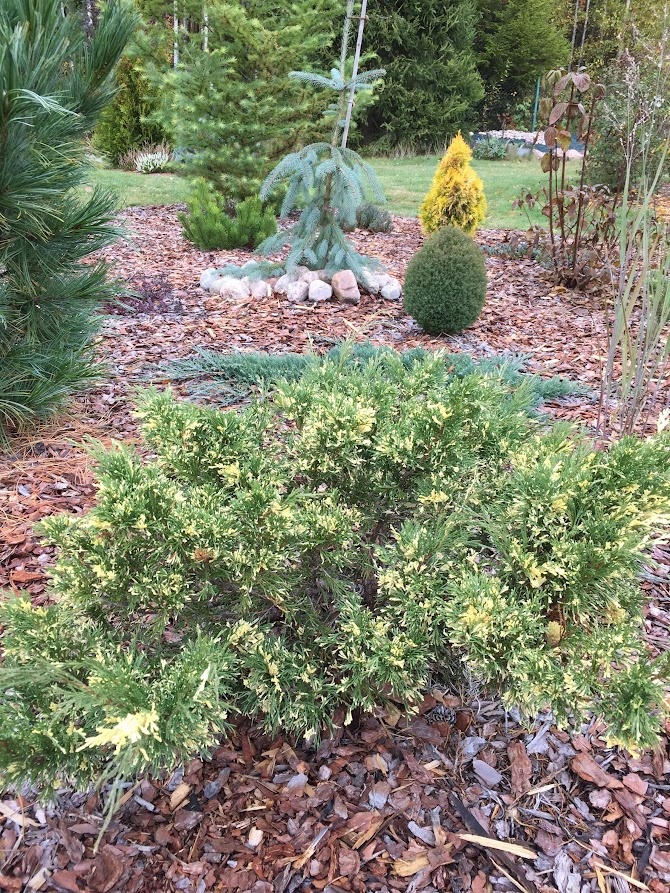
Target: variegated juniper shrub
x,y
352,536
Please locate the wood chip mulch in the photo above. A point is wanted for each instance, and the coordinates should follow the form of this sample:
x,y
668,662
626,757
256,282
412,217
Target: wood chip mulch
x,y
383,805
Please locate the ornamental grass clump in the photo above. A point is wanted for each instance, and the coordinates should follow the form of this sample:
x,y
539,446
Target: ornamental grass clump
x,y
456,196
445,282
332,548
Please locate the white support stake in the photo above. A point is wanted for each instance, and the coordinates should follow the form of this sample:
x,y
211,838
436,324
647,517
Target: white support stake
x,y
352,92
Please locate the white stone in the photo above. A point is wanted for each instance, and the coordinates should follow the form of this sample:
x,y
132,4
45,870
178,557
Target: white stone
x,y
259,288
282,284
313,275
213,289
345,287
374,282
208,277
319,290
297,291
371,282
392,290
229,287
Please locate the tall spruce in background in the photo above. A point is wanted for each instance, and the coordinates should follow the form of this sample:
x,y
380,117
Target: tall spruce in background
x,y
516,42
54,82
432,87
230,108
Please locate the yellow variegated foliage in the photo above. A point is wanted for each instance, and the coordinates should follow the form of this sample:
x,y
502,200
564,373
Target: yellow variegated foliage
x,y
456,196
349,538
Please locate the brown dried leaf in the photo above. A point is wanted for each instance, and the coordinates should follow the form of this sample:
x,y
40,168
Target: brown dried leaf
x,y
379,794
521,768
549,843
349,862
65,880
564,138
600,798
376,763
587,768
108,869
550,137
408,867
557,112
581,80
480,883
561,84
630,803
635,784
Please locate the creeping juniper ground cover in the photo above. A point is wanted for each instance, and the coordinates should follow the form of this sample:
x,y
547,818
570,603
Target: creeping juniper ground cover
x,y
334,522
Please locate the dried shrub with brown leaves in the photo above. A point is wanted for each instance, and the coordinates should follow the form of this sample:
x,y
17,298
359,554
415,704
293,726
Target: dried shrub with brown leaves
x,y
581,217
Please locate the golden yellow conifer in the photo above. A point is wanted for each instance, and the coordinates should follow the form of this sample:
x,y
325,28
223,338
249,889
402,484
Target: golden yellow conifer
x,y
456,196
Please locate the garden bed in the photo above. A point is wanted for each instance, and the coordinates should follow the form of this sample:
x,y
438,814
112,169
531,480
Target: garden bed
x,y
377,807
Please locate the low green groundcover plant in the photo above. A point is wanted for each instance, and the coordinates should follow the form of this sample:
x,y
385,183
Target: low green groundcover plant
x,y
352,536
490,148
231,375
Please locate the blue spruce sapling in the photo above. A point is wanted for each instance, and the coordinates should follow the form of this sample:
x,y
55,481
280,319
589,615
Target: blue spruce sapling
x,y
327,180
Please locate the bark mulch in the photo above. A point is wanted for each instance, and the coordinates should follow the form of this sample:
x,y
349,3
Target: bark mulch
x,y
386,804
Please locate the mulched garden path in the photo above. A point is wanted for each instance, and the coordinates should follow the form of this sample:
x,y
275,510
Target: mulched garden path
x,y
384,805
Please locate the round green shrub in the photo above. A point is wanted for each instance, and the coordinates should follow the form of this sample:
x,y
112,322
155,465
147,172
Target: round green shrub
x,y
445,283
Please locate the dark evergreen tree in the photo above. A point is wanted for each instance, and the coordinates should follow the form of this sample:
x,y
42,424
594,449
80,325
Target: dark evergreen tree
x,y
432,87
55,83
231,109
126,123
516,42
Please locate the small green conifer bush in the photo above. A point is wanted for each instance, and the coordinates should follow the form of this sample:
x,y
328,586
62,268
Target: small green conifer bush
x,y
124,124
445,282
362,530
209,227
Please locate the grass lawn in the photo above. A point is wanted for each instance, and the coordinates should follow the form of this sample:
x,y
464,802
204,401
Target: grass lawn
x,y
405,181
141,189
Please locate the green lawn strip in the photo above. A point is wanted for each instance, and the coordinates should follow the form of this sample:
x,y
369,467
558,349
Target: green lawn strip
x,y
405,181
142,190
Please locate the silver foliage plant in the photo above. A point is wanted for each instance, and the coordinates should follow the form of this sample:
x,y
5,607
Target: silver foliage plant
x,y
327,180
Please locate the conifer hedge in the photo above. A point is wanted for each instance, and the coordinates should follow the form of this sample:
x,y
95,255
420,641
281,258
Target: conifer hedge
x,y
432,87
359,532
